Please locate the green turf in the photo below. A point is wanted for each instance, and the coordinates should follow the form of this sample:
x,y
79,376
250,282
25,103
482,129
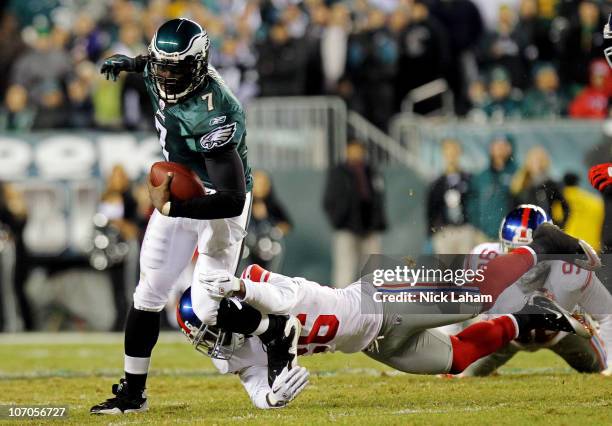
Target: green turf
x,y
345,389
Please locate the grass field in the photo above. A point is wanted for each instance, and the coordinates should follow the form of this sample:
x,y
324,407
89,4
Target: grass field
x,y
78,371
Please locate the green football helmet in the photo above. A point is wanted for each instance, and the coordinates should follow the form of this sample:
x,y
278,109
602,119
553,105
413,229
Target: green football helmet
x,y
178,59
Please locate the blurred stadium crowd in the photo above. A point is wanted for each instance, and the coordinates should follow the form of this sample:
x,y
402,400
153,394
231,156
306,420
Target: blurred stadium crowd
x,y
501,58
462,209
465,209
119,224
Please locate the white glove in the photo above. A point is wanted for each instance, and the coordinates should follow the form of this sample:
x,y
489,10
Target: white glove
x,y
288,385
219,284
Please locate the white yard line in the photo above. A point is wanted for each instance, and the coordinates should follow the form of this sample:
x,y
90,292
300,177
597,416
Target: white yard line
x,y
587,404
69,374
71,338
448,410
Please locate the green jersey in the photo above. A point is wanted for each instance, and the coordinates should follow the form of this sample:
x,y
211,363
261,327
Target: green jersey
x,y
209,120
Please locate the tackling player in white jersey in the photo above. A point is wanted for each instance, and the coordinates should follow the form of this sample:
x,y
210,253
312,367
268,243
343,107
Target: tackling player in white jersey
x,y
572,287
350,320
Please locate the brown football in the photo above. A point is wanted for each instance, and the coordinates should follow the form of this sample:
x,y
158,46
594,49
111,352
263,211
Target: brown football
x,y
185,184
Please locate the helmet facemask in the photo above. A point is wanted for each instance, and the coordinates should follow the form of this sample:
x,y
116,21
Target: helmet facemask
x,y
206,339
508,246
176,79
211,342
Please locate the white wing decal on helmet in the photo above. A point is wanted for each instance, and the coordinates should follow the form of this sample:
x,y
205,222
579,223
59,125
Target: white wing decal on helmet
x,y
218,137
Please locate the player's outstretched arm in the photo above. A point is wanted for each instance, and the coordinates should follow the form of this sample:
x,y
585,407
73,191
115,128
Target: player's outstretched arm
x,y
227,175
286,387
113,65
276,297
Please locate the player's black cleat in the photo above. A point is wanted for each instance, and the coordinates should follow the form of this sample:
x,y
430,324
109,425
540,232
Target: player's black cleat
x,y
124,402
282,349
549,239
546,314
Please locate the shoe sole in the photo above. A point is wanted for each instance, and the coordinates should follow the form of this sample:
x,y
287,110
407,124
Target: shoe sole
x,y
291,323
579,328
593,261
115,411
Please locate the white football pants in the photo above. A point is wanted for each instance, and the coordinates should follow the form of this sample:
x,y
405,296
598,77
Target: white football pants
x,y
168,247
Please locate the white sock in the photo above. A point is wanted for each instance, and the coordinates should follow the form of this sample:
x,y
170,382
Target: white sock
x,y
516,326
135,365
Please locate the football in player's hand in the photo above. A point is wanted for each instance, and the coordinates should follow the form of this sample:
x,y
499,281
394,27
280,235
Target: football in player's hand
x,y
185,184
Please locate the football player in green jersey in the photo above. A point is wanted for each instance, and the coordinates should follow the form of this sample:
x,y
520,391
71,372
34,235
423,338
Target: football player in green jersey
x,y
201,125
